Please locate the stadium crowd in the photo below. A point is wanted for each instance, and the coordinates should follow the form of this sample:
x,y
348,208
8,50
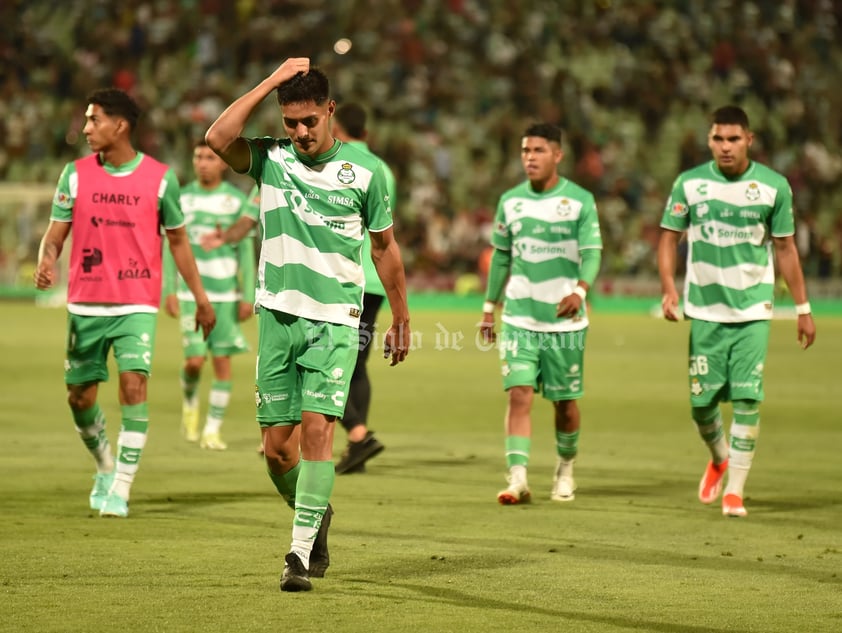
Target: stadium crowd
x,y
451,85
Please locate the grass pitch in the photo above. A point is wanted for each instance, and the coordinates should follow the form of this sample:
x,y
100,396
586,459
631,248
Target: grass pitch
x,y
419,542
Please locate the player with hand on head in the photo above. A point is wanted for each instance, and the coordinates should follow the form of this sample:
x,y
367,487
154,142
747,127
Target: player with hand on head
x,y
228,278
548,245
734,210
318,196
116,201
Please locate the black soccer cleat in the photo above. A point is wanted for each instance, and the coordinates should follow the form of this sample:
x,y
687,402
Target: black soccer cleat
x,y
319,557
295,576
356,454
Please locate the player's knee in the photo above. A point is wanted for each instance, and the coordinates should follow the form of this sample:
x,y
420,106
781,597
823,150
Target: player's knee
x,y
705,414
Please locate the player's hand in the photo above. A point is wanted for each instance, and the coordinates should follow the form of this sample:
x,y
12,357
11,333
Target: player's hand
x,y
669,305
806,330
212,240
569,306
396,343
171,305
244,311
43,277
205,318
486,327
289,69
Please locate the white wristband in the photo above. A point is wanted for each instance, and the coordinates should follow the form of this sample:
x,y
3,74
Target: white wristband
x,y
803,308
578,290
488,306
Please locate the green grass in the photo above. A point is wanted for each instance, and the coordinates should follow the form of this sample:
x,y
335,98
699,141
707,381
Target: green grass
x,y
419,543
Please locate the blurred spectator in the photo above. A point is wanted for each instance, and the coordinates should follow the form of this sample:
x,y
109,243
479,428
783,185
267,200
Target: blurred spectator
x,y
630,82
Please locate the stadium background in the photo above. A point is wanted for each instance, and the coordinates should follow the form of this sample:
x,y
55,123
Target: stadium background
x,y
450,86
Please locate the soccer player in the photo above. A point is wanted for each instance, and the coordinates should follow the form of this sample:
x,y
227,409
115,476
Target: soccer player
x,y
318,197
116,201
733,210
547,243
228,278
349,126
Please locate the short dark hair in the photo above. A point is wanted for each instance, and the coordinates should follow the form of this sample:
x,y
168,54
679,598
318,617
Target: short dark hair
x,y
115,102
548,131
352,118
730,115
310,86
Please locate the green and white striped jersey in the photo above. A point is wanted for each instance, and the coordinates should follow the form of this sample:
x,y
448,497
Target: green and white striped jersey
x,y
729,222
220,268
544,233
313,212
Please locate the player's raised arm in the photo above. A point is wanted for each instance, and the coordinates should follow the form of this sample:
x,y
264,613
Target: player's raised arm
x,y
224,135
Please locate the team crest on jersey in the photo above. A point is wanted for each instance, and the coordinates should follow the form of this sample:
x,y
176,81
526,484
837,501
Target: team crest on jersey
x,y
753,192
346,174
696,387
564,208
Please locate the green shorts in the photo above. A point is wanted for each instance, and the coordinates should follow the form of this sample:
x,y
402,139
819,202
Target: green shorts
x,y
89,338
552,361
226,337
302,365
726,361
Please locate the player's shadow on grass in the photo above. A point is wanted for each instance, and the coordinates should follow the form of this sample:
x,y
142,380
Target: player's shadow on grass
x,y
178,501
439,596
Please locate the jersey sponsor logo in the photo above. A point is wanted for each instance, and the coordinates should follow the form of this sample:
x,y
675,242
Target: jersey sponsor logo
x,y
312,195
345,201
748,213
115,198
337,373
354,313
133,271
702,210
98,222
261,399
753,192
346,174
91,257
696,387
566,230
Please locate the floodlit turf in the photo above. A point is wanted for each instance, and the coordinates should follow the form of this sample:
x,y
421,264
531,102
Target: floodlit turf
x,y
419,542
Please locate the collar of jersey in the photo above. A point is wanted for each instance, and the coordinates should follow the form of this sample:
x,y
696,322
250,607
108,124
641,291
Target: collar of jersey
x,y
562,181
745,174
321,158
125,167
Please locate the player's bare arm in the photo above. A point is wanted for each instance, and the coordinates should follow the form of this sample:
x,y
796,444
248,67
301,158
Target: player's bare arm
x,y
224,135
667,249
790,266
185,263
48,254
386,256
231,235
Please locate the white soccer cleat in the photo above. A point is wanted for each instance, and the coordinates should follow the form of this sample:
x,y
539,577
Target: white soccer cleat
x,y
563,483
213,442
518,489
